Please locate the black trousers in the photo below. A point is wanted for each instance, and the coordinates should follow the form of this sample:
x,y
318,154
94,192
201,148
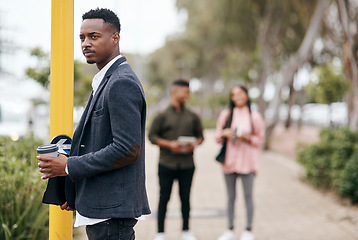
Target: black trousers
x,y
112,229
166,179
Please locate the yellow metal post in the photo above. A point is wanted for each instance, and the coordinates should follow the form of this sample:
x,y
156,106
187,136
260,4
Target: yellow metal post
x,y
61,116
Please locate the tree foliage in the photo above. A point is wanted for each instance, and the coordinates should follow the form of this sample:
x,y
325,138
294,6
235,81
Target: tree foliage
x,y
230,42
41,72
82,80
82,75
223,42
331,86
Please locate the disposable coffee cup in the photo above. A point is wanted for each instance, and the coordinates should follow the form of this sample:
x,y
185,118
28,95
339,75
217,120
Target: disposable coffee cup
x,y
48,150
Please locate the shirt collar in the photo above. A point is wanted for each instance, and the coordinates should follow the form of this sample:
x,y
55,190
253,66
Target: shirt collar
x,y
175,109
99,76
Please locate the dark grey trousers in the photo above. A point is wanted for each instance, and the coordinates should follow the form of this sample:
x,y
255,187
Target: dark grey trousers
x,y
247,183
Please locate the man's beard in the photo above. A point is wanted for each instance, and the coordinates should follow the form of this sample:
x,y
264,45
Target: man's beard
x,y
91,62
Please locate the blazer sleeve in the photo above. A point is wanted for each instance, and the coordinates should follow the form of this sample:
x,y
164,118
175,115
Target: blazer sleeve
x,y
125,102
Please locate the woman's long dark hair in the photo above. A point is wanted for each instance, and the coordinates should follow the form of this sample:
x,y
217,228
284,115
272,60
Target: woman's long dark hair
x,y
232,105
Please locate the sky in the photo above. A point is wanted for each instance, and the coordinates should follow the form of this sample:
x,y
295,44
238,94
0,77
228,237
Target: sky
x,y
26,24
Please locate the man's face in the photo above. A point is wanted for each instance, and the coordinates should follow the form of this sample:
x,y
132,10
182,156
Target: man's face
x,y
181,94
98,41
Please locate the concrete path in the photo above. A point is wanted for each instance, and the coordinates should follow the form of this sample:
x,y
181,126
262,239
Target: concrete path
x,y
286,207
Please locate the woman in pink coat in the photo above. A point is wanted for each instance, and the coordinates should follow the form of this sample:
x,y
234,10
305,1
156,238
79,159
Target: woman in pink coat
x,y
245,134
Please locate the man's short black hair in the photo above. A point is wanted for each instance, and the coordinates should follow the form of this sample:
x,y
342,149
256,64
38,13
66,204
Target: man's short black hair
x,y
107,15
181,83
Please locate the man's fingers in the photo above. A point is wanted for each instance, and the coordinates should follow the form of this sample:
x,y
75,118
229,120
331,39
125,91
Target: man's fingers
x,y
44,170
44,177
64,206
45,158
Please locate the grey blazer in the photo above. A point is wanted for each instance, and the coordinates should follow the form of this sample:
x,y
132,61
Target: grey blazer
x,y
106,164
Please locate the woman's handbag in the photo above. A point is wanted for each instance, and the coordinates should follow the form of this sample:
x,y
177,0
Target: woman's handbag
x,y
220,157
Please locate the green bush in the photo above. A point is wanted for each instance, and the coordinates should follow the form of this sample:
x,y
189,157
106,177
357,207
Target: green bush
x,y
348,186
326,163
22,214
314,158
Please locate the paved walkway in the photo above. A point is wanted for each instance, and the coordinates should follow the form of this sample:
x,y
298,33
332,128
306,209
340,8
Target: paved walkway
x,y
286,207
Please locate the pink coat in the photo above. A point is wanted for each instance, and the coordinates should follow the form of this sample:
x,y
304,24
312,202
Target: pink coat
x,y
242,157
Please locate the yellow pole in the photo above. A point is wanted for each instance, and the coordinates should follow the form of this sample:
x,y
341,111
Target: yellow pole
x,y
61,117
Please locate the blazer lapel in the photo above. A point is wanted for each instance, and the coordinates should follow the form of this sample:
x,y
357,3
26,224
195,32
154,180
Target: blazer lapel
x,y
103,84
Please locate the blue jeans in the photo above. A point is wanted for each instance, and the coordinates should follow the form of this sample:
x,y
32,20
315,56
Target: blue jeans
x,y
112,229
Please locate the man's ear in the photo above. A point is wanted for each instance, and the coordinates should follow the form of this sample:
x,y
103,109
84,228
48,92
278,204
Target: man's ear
x,y
115,38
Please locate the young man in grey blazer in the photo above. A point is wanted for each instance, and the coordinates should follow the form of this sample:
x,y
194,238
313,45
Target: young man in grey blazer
x,y
106,169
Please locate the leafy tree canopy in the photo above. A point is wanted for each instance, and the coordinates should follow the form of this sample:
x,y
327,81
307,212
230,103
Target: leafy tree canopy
x,y
330,87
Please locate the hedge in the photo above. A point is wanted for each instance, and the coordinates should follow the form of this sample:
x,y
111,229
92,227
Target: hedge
x,y
332,163
22,214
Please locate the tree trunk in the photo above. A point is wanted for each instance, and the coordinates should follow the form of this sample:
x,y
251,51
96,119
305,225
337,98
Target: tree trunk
x,y
350,64
267,36
295,61
291,101
302,101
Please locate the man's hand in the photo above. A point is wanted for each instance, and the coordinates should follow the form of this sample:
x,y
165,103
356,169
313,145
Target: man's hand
x,y
66,207
174,146
177,148
188,148
54,166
